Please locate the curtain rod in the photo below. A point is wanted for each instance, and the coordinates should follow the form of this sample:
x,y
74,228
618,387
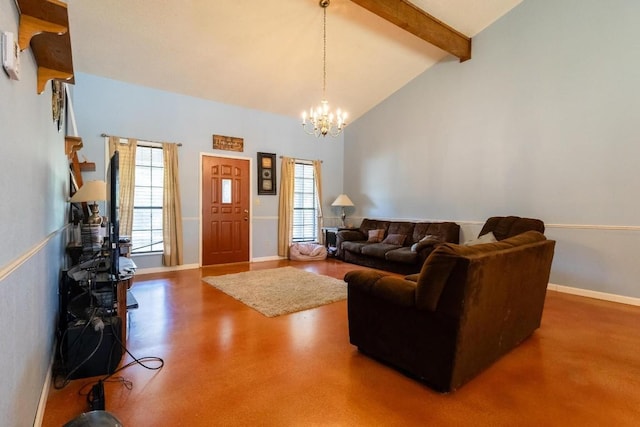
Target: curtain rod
x,y
104,135
304,160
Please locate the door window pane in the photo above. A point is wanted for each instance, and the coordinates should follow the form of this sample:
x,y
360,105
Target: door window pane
x,y
226,190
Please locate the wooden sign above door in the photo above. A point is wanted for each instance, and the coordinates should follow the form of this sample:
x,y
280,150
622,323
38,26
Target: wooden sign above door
x,y
229,143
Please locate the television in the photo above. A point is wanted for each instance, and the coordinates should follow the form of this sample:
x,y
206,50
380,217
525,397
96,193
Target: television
x,y
113,209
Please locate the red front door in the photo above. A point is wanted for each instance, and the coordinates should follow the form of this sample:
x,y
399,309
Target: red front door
x,y
225,210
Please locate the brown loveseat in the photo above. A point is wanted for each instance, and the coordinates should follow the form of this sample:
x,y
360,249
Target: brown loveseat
x,y
503,227
468,306
414,242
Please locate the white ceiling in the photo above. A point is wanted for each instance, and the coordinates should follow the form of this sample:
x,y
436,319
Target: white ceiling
x,y
265,55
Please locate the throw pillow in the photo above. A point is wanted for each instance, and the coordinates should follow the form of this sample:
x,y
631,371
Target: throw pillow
x,y
376,236
395,239
427,240
485,238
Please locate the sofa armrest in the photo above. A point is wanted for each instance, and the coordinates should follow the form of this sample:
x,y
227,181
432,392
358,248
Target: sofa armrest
x,y
347,236
363,279
350,235
392,289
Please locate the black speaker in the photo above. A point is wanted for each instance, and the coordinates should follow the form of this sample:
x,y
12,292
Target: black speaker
x,y
89,353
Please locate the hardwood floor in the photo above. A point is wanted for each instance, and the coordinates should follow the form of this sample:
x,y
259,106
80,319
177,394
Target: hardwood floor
x,y
228,365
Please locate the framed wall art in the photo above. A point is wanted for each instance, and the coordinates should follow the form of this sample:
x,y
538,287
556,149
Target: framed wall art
x,y
266,173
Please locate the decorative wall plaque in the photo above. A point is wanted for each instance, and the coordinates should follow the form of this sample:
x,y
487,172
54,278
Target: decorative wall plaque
x,y
57,103
229,143
266,173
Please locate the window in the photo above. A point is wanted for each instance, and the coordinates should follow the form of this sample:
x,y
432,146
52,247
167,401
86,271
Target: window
x,y
305,209
146,235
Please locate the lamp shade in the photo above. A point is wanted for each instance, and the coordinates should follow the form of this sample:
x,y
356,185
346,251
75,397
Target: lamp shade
x,y
342,200
90,192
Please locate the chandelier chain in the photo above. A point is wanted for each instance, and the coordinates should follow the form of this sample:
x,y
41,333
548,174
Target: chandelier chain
x,y
324,54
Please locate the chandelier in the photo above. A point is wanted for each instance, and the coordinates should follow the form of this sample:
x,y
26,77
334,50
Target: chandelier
x,y
322,121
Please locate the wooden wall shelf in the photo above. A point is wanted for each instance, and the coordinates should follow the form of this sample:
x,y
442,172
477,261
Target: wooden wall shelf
x,y
44,24
71,145
87,166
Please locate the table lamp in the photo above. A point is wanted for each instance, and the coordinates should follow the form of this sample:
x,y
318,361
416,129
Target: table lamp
x,y
342,201
91,191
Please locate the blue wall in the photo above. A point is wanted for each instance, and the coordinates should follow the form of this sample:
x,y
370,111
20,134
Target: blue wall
x,y
34,188
541,122
116,108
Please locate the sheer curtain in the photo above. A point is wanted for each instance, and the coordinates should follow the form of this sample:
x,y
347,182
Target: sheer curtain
x,y
317,171
127,165
285,207
171,208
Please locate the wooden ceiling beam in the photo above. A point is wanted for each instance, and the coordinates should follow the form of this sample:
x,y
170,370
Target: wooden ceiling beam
x,y
416,21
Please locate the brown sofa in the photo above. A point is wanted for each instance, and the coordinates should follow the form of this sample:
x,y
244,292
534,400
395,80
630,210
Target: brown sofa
x,y
404,258
468,306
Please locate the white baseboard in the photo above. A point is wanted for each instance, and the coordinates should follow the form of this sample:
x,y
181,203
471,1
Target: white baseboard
x,y
44,394
268,258
594,294
192,266
165,269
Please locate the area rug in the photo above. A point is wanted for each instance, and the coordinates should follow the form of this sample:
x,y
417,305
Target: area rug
x,y
278,291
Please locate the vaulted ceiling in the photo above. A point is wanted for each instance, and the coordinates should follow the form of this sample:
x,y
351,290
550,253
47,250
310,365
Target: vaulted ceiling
x,y
264,55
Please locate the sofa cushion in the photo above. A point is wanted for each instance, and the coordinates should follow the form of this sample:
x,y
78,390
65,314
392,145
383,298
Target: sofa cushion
x,y
403,255
401,227
355,247
372,224
377,250
485,238
446,231
375,236
395,239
